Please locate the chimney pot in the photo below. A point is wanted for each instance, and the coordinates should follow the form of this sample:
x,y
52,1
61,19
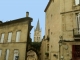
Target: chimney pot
x,y
27,14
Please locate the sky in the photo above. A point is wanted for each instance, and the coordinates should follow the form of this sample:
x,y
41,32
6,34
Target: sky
x,y
14,9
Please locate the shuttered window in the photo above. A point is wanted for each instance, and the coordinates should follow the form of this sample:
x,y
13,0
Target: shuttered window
x,y
2,38
9,36
18,36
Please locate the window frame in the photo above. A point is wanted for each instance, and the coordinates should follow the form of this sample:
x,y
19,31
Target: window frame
x,y
7,57
14,54
0,52
1,38
19,36
11,36
78,19
77,3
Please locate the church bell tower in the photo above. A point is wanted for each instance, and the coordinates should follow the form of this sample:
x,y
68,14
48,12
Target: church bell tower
x,y
37,33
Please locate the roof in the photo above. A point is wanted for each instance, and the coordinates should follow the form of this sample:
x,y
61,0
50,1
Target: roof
x,y
38,26
16,21
47,5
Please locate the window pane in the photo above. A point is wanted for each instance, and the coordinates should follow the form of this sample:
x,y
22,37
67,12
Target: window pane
x,y
18,36
76,2
7,54
2,38
16,55
9,37
0,52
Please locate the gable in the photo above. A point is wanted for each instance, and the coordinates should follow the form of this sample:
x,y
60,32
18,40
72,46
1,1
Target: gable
x,y
48,5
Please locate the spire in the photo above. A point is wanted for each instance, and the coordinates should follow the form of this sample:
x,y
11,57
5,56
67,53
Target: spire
x,y
38,26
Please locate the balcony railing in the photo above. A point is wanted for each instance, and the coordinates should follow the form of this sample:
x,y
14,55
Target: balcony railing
x,y
76,32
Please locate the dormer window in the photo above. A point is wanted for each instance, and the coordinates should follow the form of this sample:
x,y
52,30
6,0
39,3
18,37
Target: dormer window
x,y
77,2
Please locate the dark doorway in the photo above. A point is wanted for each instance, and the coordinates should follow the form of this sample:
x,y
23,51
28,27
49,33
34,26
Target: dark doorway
x,y
75,52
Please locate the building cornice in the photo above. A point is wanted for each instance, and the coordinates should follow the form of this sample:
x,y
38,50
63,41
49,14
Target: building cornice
x,y
48,5
69,11
16,21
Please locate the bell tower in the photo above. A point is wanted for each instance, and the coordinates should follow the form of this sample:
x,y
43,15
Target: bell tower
x,y
37,33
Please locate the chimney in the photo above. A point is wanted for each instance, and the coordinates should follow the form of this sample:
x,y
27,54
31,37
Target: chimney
x,y
27,14
1,22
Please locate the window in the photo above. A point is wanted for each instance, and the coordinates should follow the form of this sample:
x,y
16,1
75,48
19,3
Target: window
x,y
78,19
18,36
16,55
2,38
37,38
77,2
0,52
78,22
47,47
9,36
7,54
48,32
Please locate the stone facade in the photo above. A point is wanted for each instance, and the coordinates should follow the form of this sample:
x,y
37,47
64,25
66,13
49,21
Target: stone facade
x,y
44,50
14,36
62,17
31,55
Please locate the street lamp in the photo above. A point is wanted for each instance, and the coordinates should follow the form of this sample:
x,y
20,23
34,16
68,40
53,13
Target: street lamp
x,y
60,43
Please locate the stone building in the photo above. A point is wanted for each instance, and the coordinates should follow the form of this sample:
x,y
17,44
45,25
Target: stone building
x,y
44,49
33,51
37,33
14,38
31,55
62,30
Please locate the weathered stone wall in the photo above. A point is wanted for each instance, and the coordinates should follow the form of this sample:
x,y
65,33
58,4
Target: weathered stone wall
x,y
21,45
61,20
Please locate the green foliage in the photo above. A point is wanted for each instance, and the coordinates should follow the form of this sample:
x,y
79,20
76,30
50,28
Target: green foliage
x,y
36,45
